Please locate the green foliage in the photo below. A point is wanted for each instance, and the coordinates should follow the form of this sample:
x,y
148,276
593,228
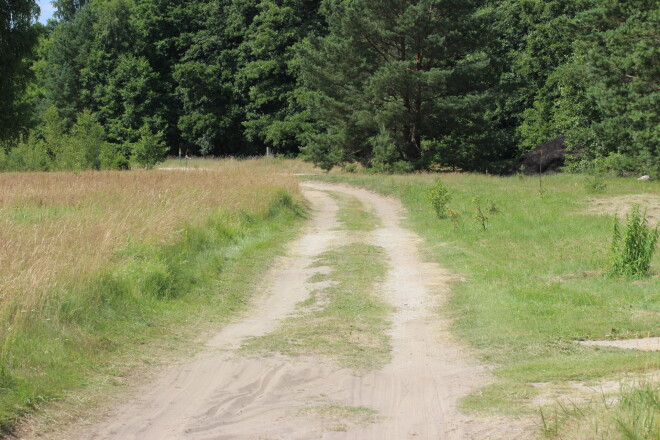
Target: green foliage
x,y
18,36
438,197
387,77
265,77
393,86
632,250
29,155
593,63
149,149
82,147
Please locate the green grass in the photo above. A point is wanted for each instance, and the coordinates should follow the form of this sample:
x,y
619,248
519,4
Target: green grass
x,y
152,293
350,324
353,215
536,277
346,321
634,416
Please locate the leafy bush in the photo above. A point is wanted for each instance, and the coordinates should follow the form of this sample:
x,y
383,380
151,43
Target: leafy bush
x,y
350,168
614,164
438,197
149,149
633,250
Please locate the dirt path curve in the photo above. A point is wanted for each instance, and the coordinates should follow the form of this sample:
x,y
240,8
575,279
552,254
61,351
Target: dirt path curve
x,y
223,395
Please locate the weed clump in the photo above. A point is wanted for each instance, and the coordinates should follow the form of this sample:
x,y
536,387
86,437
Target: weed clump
x,y
633,249
640,408
438,197
481,214
595,183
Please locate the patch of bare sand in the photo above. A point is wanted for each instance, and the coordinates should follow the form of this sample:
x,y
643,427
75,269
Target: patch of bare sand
x,y
644,344
606,391
220,395
621,205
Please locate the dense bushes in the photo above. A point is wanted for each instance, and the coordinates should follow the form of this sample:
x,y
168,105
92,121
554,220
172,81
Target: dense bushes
x,y
84,146
394,86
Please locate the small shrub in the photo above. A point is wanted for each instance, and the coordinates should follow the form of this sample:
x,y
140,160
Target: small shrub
x,y
455,218
120,163
438,197
149,149
350,168
480,216
633,249
595,183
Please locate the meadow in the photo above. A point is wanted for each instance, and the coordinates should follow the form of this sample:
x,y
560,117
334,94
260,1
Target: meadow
x,y
97,267
95,264
535,265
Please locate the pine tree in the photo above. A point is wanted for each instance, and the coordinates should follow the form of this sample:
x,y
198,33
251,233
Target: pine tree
x,y
389,75
264,76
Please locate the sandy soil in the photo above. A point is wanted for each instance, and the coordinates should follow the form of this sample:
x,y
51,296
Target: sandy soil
x,y
606,391
644,344
621,205
223,395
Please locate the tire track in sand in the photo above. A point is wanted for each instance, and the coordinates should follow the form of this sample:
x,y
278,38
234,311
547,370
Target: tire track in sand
x,y
220,395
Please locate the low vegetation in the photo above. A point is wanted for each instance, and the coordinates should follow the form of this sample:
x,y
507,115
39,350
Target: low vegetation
x,y
633,249
95,264
635,415
536,270
439,196
343,320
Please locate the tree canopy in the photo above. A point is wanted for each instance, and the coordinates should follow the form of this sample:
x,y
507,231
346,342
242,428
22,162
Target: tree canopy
x,y
392,84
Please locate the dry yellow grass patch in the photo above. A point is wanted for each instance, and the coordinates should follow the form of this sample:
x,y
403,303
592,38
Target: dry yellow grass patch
x,y
56,228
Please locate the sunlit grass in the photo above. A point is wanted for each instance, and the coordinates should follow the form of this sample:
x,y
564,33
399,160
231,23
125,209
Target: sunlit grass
x,y
58,228
535,278
346,320
98,263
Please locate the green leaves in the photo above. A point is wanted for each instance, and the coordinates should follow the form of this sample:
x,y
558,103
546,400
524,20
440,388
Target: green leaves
x,y
384,74
18,36
149,149
632,249
438,197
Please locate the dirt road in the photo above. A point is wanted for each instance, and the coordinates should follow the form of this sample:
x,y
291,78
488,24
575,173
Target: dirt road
x,y
222,394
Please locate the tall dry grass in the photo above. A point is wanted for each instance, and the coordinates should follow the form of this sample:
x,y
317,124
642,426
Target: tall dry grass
x,y
58,229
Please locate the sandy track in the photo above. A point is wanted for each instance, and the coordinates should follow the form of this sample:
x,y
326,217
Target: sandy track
x,y
222,395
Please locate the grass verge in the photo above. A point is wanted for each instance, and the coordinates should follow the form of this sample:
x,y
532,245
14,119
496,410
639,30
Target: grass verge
x,y
535,266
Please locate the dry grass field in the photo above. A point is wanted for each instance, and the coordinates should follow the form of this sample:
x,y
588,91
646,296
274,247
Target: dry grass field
x,y
58,228
91,261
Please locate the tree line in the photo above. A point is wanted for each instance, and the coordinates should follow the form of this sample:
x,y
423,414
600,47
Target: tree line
x,y
396,85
